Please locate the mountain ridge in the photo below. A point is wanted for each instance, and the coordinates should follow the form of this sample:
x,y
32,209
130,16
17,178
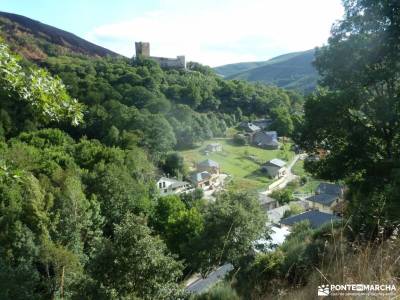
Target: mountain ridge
x,y
36,40
292,71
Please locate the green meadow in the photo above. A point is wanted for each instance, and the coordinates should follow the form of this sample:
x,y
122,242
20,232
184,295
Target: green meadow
x,y
242,163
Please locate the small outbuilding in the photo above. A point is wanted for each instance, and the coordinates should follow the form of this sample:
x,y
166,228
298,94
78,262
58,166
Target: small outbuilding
x,y
275,168
208,165
266,140
214,147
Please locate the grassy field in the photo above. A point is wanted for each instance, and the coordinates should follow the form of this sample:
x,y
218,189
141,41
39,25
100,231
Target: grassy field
x,y
241,162
312,183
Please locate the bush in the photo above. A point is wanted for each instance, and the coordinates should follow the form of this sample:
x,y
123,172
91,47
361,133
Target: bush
x,y
294,209
283,196
239,139
222,291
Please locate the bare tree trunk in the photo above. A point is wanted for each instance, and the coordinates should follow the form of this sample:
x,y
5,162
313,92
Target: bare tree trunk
x,y
62,282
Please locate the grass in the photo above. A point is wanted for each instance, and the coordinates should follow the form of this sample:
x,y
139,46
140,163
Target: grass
x,y
346,262
241,162
311,184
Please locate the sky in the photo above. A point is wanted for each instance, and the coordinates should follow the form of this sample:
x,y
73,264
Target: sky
x,y
212,32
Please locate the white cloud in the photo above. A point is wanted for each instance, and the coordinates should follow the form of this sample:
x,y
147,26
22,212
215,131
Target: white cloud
x,y
227,32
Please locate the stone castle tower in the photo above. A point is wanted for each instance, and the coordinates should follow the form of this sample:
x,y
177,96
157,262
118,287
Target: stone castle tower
x,y
143,50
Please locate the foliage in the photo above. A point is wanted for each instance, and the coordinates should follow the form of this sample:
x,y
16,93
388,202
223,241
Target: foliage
x,y
221,291
294,209
283,196
135,263
354,117
239,139
40,95
174,165
140,97
231,224
293,71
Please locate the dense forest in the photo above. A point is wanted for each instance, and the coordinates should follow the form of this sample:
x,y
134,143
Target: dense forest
x,y
83,140
80,212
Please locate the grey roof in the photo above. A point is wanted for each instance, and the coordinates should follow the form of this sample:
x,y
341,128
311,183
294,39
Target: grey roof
x,y
197,177
249,126
203,284
179,184
324,199
329,188
264,199
262,123
208,163
276,162
276,214
315,217
268,138
175,182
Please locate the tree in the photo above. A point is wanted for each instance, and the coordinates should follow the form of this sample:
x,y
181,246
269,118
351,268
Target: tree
x,y
282,123
37,90
283,196
231,224
136,264
174,165
354,117
179,226
294,209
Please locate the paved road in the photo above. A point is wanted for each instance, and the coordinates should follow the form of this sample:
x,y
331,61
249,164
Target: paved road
x,y
203,284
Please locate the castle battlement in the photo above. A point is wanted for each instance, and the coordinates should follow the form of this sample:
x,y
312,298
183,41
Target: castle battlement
x,y
143,50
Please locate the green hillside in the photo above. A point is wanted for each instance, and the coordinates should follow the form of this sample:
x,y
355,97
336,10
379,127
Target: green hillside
x,y
232,69
291,71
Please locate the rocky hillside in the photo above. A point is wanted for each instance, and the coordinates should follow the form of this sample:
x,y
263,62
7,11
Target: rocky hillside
x,y
35,40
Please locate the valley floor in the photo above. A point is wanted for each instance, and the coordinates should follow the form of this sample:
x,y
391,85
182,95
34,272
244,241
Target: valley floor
x,y
242,163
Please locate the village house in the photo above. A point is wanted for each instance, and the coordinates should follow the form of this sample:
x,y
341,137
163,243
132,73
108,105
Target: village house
x,y
330,188
266,140
315,217
214,147
327,197
249,127
275,168
262,123
202,180
208,165
170,186
206,175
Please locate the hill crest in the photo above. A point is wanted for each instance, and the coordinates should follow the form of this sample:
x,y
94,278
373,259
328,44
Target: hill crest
x,y
35,40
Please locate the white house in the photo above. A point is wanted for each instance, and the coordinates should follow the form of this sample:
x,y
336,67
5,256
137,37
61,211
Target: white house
x,y
170,186
275,168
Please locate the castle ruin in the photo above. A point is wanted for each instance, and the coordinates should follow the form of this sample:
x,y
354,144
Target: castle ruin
x,y
143,50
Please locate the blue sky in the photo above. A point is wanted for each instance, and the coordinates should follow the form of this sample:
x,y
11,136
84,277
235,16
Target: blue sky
x,y
208,31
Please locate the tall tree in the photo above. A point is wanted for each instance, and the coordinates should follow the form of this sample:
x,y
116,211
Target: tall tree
x,y
355,116
136,264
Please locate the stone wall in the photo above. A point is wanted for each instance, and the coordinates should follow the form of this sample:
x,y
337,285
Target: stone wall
x,y
179,62
143,50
